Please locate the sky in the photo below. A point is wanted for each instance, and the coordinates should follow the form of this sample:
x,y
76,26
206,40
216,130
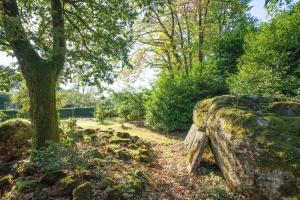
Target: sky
x,y
257,11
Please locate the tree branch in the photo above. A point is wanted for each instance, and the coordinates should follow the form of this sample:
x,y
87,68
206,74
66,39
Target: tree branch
x,y
59,43
16,36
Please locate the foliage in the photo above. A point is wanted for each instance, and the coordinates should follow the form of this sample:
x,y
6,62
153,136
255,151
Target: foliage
x,y
104,109
172,100
271,63
129,104
3,116
73,98
22,98
5,99
9,78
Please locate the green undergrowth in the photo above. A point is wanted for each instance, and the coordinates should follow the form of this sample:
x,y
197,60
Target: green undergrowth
x,y
87,164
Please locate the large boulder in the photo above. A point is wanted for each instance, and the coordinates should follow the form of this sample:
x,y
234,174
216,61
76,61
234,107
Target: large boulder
x,y
15,138
255,141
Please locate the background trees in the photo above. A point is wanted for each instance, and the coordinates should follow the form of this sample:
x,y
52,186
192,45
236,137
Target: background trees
x,y
271,64
45,34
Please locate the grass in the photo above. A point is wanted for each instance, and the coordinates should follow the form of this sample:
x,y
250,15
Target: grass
x,y
132,129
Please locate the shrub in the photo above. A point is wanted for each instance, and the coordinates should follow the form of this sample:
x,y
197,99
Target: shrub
x,y
172,100
3,116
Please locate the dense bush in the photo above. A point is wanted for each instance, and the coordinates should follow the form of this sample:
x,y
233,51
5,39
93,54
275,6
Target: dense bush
x,y
104,109
172,100
3,116
130,105
271,63
10,114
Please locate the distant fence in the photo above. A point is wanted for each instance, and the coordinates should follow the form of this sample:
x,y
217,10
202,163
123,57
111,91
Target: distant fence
x,y
87,112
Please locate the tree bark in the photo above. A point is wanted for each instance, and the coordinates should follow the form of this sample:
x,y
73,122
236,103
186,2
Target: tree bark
x,y
41,84
40,74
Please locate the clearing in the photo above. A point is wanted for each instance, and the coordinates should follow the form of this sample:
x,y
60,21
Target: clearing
x,y
168,171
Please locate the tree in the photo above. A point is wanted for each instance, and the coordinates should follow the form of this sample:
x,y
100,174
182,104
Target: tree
x,y
271,63
47,37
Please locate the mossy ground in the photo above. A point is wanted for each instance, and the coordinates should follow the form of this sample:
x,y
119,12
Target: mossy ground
x,y
162,175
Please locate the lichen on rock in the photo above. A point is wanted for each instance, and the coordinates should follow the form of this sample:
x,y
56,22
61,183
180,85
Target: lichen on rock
x,y
255,140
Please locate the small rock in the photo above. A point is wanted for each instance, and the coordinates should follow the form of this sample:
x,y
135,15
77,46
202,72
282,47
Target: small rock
x,y
26,186
52,177
113,193
89,131
5,182
123,135
144,158
123,155
119,141
66,185
83,192
106,182
144,152
133,146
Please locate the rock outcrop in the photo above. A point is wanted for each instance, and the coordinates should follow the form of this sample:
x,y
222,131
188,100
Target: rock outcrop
x,y
15,138
255,141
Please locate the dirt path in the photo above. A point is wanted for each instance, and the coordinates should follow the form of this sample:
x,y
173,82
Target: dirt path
x,y
168,171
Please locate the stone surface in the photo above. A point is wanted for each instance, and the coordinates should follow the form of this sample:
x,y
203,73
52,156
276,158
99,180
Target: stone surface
x,y
255,142
52,177
196,151
15,138
83,192
66,185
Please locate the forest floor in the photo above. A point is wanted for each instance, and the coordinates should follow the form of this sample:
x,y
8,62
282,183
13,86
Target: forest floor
x,y
169,169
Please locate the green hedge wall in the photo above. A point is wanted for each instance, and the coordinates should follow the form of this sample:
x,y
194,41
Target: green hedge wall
x,y
63,112
10,113
77,112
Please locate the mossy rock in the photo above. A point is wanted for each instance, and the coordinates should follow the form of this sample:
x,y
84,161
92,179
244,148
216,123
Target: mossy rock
x,y
52,177
5,182
144,176
89,131
123,155
66,185
95,153
15,136
135,139
144,158
123,135
119,141
133,146
134,184
106,182
144,152
29,169
83,192
113,193
27,186
261,134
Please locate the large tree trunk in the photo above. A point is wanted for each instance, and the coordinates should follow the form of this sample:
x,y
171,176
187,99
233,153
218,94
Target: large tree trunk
x,y
41,84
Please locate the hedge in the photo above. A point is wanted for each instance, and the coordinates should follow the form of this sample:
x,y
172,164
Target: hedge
x,y
77,112
63,112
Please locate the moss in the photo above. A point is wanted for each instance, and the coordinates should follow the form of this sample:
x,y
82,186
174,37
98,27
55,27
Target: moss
x,y
66,185
26,186
123,155
145,159
5,182
89,131
94,153
275,136
51,177
29,169
83,192
119,141
144,152
290,109
133,146
123,135
106,182
113,193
